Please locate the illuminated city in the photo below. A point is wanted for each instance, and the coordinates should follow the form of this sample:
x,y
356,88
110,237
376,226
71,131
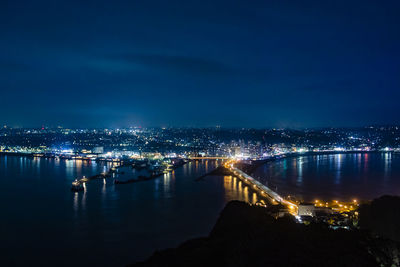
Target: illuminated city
x,y
256,144
161,150
200,133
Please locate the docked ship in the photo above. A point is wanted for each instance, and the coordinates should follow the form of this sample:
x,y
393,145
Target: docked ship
x,y
77,186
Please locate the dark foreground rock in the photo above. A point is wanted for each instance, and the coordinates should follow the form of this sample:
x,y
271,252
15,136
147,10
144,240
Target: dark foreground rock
x,y
247,236
382,217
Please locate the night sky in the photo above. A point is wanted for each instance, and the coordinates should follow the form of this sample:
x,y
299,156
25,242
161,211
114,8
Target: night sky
x,y
199,63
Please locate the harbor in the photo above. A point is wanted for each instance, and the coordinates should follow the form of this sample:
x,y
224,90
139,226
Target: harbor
x,y
147,169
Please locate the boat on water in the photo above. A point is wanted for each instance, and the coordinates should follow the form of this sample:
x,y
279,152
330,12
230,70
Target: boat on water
x,y
77,186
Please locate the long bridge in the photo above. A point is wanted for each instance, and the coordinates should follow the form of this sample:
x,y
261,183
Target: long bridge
x,y
275,197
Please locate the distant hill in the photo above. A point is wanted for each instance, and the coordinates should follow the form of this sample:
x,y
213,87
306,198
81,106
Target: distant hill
x,y
247,235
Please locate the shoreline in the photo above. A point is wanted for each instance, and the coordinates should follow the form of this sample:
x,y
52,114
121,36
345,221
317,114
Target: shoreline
x,y
311,153
247,168
259,163
273,158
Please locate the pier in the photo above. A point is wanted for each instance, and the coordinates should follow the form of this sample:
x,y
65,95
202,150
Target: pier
x,y
78,183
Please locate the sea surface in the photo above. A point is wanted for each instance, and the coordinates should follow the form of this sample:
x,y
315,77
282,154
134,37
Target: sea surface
x,y
43,223
361,176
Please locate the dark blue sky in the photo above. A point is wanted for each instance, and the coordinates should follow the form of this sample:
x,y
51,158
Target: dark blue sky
x,y
199,63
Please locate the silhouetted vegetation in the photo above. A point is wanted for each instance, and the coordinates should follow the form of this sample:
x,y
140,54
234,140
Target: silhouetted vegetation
x,y
247,235
382,217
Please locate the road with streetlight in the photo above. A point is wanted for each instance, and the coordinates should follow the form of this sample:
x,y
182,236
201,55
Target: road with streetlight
x,y
264,190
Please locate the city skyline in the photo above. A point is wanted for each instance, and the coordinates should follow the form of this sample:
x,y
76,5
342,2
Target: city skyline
x,y
200,132
199,64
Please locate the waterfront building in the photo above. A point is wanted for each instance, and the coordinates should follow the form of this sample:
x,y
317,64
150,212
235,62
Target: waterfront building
x,y
306,209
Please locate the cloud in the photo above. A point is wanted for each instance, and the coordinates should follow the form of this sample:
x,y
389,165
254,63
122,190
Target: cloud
x,y
174,63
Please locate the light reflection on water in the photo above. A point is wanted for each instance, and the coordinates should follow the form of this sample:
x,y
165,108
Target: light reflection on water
x,y
125,223
366,156
388,164
246,194
168,184
254,198
335,176
299,163
79,200
338,159
236,190
76,204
